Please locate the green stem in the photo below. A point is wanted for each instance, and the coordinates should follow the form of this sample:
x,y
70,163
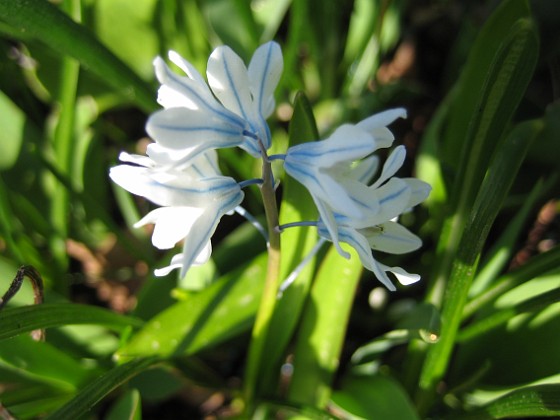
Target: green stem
x,y
268,299
63,148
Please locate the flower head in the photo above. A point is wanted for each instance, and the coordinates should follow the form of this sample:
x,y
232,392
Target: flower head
x,y
329,171
381,232
192,201
229,111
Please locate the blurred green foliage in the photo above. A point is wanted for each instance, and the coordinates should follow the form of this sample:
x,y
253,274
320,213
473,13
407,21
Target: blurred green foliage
x,y
476,337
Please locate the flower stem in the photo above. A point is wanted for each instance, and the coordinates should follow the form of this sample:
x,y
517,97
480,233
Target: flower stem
x,y
268,299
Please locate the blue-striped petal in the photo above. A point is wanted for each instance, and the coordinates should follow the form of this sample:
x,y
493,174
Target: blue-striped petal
x,y
392,238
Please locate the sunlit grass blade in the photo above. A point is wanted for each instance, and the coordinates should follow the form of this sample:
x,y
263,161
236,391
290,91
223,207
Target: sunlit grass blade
x,y
204,319
296,205
538,265
503,248
372,397
128,407
15,321
534,401
323,328
63,146
495,187
474,73
41,20
97,389
502,316
503,87
42,362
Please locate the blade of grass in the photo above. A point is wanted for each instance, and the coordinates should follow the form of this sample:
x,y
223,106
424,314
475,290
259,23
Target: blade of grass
x,y
506,52
501,173
96,390
41,20
323,328
15,321
536,266
502,250
63,151
534,401
504,315
296,244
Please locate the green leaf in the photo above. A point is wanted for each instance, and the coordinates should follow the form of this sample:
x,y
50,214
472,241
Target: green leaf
x,y
296,205
99,388
127,407
503,82
481,56
41,361
323,328
500,175
534,401
422,322
15,321
134,39
502,316
501,252
15,129
536,266
41,20
223,310
531,334
373,397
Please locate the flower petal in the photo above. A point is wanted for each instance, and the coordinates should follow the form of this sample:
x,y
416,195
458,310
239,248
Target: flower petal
x,y
181,91
377,126
229,80
189,70
173,189
361,245
392,238
264,72
172,224
346,144
420,190
365,169
405,278
178,128
177,261
327,226
391,166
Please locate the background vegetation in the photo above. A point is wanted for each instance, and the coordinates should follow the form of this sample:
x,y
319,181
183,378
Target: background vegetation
x,y
477,337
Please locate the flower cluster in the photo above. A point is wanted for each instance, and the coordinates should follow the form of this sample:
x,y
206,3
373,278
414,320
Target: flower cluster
x,y
358,202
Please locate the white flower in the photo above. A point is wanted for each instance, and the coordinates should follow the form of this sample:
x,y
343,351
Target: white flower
x,y
230,112
326,168
381,232
193,201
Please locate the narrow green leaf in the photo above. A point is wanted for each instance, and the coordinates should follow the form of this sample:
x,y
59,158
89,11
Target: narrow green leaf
x,y
536,266
223,310
14,130
97,389
128,407
373,397
475,71
41,20
502,250
15,321
501,173
41,361
323,328
534,401
422,322
502,316
503,87
296,205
